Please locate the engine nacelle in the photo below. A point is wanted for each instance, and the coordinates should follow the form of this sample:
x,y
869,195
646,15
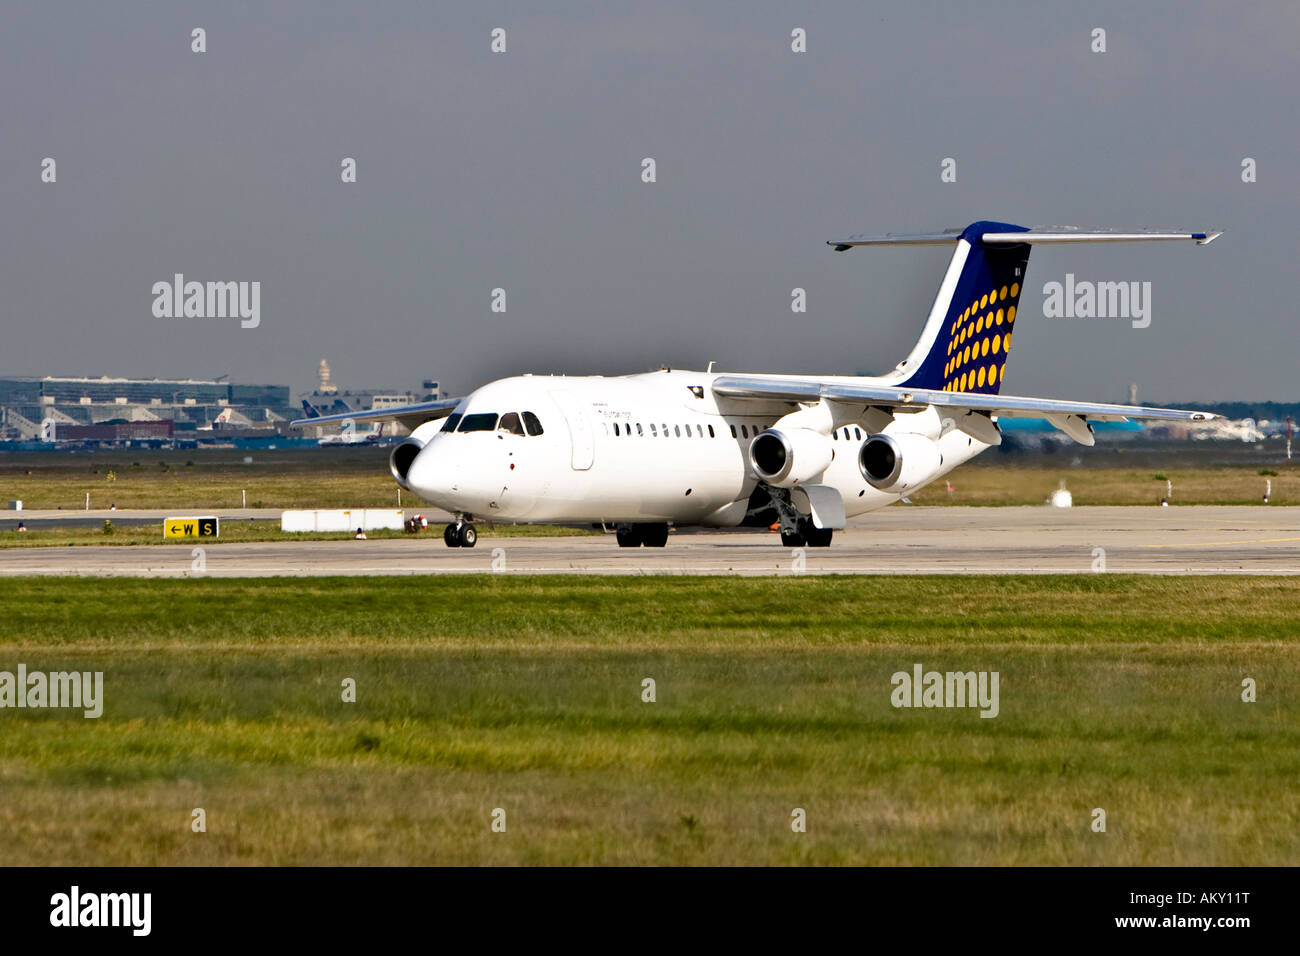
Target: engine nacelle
x,y
399,461
786,457
898,463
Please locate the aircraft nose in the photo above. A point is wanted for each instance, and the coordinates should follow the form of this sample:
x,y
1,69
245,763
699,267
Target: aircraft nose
x,y
433,473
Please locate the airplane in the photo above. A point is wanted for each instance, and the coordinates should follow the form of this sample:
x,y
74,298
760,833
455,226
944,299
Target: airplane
x,y
719,449
370,436
349,435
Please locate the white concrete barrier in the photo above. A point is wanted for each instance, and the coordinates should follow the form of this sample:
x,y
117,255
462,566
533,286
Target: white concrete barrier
x,y
371,519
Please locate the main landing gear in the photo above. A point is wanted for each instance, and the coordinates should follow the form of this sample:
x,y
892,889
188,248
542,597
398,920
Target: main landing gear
x,y
634,535
797,529
460,535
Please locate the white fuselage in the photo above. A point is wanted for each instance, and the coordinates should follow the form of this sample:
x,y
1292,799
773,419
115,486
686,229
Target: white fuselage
x,y
654,447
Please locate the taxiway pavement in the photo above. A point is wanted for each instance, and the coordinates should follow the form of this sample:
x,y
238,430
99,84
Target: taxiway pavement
x,y
899,540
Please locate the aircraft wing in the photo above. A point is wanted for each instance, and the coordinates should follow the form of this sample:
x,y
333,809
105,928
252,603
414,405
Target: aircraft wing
x,y
1069,417
411,416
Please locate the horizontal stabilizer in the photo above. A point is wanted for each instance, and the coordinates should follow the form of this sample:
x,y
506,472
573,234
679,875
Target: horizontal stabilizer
x,y
1034,236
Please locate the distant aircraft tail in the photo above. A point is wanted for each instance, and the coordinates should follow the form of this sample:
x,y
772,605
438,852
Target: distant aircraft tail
x,y
966,340
309,410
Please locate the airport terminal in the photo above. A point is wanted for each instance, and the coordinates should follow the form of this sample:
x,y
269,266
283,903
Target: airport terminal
x,y
48,412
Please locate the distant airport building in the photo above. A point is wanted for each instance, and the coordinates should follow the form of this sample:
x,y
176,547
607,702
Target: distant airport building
x,y
55,408
117,432
110,410
325,386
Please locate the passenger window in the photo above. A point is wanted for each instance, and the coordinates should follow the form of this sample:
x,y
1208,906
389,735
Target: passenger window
x,y
451,423
677,430
532,423
639,433
616,429
857,432
510,423
711,435
654,432
482,422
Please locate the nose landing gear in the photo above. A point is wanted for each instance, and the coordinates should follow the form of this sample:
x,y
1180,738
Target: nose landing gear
x,y
460,535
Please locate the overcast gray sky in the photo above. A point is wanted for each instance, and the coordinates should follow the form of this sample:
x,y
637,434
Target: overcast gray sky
x,y
522,170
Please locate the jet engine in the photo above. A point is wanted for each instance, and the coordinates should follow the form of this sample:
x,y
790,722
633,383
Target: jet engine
x,y
403,455
785,457
898,463
399,461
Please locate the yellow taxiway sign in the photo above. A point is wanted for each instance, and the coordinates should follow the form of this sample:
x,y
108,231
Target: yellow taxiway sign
x,y
201,527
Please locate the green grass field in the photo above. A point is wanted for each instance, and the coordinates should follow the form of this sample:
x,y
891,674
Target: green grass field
x,y
475,693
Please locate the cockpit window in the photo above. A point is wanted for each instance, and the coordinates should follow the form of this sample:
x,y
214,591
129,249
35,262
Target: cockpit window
x,y
481,422
450,424
532,423
510,423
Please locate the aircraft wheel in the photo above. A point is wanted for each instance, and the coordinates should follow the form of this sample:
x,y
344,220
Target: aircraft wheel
x,y
628,536
791,539
814,536
468,536
451,537
654,535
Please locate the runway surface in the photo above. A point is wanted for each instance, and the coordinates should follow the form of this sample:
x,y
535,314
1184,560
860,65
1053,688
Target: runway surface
x,y
899,540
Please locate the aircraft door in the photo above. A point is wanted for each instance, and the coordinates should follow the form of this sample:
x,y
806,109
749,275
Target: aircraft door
x,y
580,433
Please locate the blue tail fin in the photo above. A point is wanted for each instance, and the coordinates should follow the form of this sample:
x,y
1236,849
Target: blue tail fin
x,y
964,345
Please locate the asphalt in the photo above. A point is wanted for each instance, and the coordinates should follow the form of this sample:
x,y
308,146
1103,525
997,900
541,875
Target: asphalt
x,y
900,540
